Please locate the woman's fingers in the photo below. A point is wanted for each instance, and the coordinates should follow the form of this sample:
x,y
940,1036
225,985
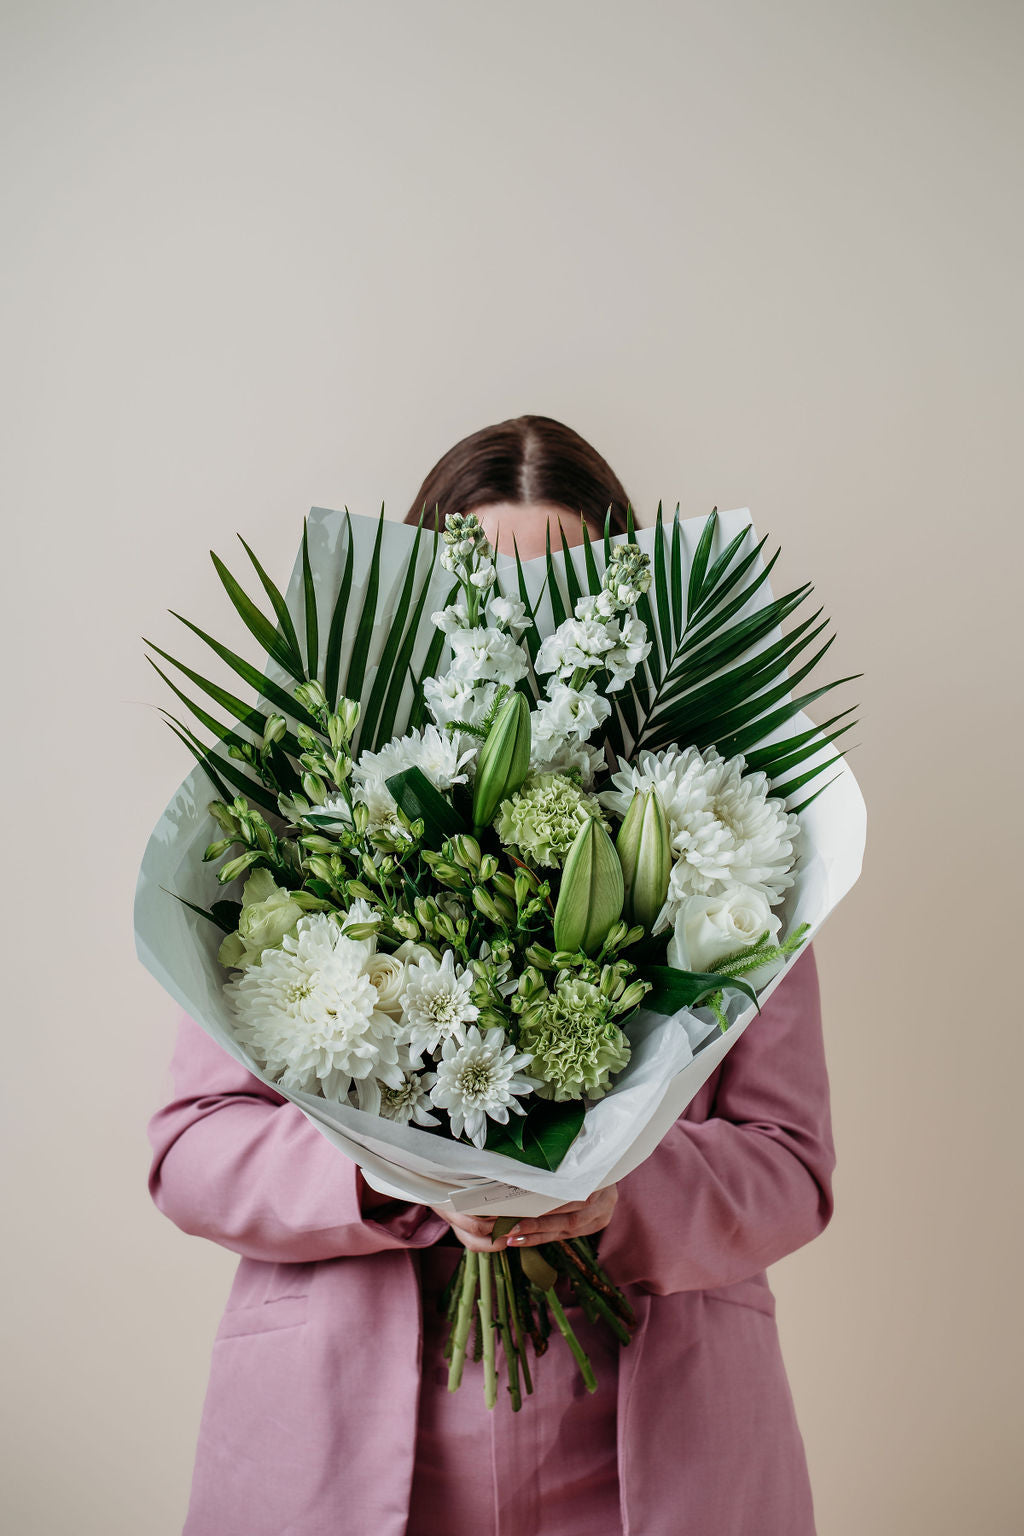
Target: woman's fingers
x,y
577,1219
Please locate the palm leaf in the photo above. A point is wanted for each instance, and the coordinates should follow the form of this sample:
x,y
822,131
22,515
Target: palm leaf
x,y
309,606
401,668
336,633
370,715
361,644
258,624
701,555
284,617
431,662
249,674
227,769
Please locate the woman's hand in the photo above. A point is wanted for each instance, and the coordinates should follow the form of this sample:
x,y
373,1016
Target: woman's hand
x,y
580,1218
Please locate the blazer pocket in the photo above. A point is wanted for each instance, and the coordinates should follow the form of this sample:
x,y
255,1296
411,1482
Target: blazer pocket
x,y
284,1302
754,1293
268,1317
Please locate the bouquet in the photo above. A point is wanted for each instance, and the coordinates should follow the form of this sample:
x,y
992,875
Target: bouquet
x,y
497,883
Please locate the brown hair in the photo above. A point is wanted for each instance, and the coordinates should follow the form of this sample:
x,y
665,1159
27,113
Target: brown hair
x,y
525,459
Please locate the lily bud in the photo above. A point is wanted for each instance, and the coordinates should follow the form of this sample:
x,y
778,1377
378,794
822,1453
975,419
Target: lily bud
x,y
276,727
645,853
235,867
313,788
465,851
504,759
590,900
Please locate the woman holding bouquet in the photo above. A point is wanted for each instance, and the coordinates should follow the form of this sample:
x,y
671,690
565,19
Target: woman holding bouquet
x,y
328,1409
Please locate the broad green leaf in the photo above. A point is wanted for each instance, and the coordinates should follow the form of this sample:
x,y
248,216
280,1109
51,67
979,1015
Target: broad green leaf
x,y
417,797
672,989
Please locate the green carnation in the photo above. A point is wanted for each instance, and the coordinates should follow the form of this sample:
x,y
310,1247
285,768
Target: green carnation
x,y
574,1042
268,913
542,819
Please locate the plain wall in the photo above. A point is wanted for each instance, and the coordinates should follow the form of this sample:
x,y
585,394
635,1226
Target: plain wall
x,y
263,257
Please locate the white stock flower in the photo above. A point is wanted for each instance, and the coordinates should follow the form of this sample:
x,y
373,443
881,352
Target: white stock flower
x,y
487,655
509,611
478,1079
630,646
308,1013
455,616
707,928
436,1002
452,698
566,710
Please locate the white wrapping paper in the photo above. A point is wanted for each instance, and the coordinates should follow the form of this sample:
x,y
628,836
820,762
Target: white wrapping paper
x,y
671,1057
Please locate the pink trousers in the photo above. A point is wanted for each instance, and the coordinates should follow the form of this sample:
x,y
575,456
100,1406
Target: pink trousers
x,y
549,1470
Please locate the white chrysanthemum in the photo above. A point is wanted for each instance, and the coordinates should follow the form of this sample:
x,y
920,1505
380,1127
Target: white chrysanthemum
x,y
725,830
436,1002
404,1101
438,755
308,1012
478,1079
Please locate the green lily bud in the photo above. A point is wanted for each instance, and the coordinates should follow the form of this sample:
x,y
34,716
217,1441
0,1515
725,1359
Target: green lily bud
x,y
317,844
311,696
360,931
465,851
308,740
214,850
357,888
445,927
645,852
406,927
539,956
504,885
276,727
591,897
313,788
633,996
235,867
223,816
504,759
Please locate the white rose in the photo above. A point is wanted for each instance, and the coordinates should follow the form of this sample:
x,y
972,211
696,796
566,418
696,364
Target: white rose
x,y
411,953
710,927
387,975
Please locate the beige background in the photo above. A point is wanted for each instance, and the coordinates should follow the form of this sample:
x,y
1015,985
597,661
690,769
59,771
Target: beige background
x,y
260,257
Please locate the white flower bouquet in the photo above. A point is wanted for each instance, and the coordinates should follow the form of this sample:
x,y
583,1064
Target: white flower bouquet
x,y
509,856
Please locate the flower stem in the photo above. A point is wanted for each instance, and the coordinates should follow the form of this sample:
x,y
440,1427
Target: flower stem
x,y
511,1352
565,1327
515,1316
465,1312
486,1307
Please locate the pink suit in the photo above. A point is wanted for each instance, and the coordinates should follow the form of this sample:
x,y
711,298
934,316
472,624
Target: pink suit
x,y
310,1422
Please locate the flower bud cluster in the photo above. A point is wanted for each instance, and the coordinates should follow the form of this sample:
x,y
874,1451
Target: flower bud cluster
x,y
466,551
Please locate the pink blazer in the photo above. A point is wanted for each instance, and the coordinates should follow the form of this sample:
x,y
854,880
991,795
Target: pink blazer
x,y
309,1423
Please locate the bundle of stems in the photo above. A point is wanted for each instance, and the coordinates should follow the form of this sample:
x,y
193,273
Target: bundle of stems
x,y
510,1295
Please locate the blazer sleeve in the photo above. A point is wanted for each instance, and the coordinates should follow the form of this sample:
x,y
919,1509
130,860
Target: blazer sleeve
x,y
236,1162
721,1199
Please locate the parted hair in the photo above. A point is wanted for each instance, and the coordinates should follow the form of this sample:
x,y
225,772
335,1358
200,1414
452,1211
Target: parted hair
x,y
522,460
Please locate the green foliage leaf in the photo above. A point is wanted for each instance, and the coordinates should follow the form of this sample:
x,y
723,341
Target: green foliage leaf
x,y
417,797
674,989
